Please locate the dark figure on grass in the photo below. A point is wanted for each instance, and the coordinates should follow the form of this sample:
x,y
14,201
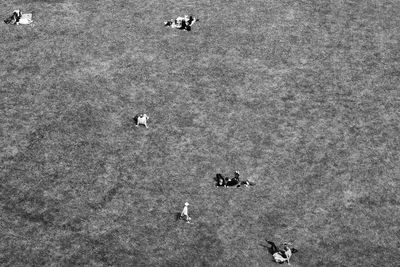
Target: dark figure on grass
x,y
220,180
235,181
184,215
281,255
18,18
181,23
14,18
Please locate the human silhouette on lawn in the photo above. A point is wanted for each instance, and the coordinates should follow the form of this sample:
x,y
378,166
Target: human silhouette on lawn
x,y
281,256
185,214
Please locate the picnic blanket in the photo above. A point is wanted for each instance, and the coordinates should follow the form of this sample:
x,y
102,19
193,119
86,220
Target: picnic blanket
x,y
25,19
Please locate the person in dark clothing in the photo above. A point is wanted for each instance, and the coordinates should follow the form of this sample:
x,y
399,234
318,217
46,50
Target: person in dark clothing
x,y
14,18
281,256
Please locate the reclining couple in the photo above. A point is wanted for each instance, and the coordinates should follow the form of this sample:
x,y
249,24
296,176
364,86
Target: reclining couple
x,y
18,18
235,181
281,255
181,23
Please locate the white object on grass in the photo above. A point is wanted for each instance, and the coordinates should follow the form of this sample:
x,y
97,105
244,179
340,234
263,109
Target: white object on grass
x,y
25,19
142,119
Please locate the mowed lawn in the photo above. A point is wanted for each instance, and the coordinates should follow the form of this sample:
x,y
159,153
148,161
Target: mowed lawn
x,y
301,97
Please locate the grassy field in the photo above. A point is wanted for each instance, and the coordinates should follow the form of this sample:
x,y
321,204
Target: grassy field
x,y
302,97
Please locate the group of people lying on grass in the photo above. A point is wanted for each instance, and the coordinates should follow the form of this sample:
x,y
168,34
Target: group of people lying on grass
x,y
18,18
281,255
181,23
229,182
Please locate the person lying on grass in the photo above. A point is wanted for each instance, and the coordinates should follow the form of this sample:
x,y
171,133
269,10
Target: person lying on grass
x,y
181,23
18,18
281,256
235,181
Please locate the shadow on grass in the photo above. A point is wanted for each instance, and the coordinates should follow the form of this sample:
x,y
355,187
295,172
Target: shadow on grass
x,y
177,216
108,197
27,206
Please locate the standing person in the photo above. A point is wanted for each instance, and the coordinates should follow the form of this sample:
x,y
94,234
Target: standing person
x,y
184,213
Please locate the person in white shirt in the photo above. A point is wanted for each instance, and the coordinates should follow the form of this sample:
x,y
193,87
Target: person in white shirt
x,y
185,214
141,119
18,18
181,23
281,256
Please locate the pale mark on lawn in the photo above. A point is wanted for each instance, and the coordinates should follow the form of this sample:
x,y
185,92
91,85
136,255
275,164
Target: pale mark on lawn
x,y
290,15
320,210
349,197
96,66
10,151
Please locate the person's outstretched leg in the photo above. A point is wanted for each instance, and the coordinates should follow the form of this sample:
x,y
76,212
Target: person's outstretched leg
x,y
274,249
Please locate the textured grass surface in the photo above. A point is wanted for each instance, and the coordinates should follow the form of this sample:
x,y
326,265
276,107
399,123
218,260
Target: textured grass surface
x,y
300,97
